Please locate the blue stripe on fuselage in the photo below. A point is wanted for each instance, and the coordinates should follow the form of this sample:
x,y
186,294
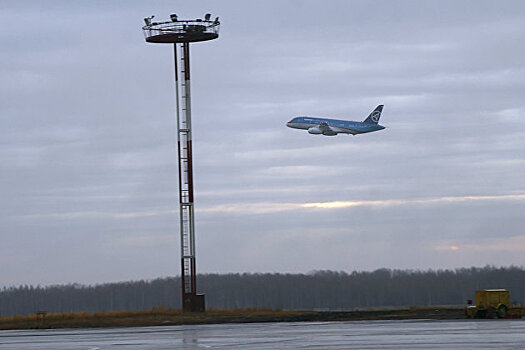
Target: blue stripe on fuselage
x,y
344,125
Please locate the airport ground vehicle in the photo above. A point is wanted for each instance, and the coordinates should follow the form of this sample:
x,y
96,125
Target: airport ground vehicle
x,y
490,303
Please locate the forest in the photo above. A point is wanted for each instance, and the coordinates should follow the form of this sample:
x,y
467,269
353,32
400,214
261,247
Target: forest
x,y
318,290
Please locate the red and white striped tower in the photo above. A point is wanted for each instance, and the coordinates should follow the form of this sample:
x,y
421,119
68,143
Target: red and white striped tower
x,y
181,33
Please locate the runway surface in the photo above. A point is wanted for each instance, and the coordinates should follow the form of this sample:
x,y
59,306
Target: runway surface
x,y
416,334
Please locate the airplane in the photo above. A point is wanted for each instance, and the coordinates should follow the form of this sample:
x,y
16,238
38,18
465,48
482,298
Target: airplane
x,y
332,127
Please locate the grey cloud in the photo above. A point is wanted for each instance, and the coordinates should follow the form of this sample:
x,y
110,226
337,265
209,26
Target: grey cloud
x,y
88,167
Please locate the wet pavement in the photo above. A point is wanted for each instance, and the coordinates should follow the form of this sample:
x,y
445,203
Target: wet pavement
x,y
415,334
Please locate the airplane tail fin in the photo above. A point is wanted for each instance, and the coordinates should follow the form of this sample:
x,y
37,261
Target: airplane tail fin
x,y
373,118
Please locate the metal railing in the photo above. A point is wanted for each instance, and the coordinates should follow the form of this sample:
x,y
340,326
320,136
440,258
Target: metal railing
x,y
196,26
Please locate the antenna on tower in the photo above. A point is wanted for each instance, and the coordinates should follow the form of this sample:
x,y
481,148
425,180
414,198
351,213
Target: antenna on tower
x,y
147,20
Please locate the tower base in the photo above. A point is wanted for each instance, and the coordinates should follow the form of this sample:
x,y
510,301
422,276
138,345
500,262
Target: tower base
x,y
193,303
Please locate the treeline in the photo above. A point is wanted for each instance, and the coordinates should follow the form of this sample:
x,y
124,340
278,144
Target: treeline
x,y
318,290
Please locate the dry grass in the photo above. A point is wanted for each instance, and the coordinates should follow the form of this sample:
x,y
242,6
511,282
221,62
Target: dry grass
x,y
161,316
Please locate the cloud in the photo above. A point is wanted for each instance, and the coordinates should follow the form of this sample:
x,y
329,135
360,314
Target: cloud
x,y
275,207
266,207
515,244
99,215
88,141
441,200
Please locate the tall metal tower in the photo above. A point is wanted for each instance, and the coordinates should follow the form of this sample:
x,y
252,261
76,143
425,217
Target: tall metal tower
x,y
181,33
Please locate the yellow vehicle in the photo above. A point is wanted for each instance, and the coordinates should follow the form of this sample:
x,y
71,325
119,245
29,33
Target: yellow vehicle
x,y
490,303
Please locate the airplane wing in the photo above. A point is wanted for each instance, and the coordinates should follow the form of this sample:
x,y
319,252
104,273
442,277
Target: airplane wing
x,y
327,130
324,127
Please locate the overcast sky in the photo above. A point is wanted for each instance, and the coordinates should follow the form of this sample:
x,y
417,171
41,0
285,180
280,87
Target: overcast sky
x,y
88,162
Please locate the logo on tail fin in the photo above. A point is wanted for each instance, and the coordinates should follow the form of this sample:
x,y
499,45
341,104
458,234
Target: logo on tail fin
x,y
373,118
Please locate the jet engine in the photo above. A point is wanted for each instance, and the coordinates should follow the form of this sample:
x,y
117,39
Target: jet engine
x,y
329,132
326,131
315,130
